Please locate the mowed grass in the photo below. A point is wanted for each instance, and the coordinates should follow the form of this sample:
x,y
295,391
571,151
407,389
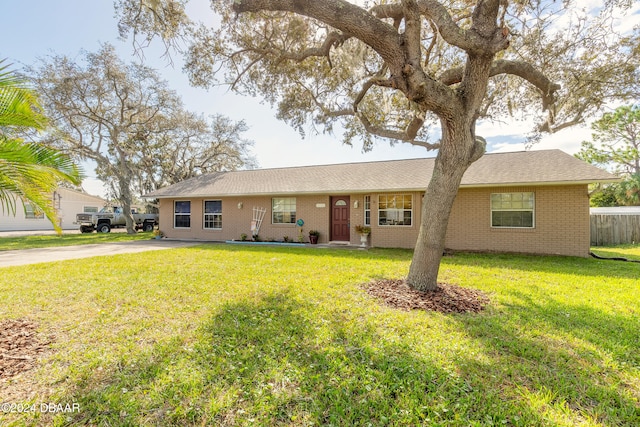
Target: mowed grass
x,y
67,239
631,252
279,336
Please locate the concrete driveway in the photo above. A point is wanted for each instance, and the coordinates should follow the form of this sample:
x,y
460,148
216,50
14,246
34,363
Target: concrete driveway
x,y
61,253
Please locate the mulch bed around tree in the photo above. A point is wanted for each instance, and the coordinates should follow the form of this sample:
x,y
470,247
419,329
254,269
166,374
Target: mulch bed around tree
x,y
445,299
20,346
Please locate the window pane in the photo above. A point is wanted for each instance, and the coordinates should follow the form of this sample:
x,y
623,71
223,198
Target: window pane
x,y
183,207
213,206
512,209
183,221
512,219
283,210
395,209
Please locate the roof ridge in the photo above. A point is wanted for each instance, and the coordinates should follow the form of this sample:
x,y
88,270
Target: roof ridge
x,y
386,161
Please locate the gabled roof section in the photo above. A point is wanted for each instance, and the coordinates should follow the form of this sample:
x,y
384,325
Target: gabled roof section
x,y
547,167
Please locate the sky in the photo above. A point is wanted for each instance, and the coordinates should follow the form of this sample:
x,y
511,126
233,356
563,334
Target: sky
x,y
32,29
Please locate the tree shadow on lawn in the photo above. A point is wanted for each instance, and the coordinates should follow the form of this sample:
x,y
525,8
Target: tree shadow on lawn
x,y
275,360
572,360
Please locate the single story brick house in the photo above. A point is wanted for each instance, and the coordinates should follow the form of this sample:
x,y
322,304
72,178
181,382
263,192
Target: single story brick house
x,y
530,202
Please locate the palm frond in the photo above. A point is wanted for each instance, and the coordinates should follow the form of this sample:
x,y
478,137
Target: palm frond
x,y
28,171
19,106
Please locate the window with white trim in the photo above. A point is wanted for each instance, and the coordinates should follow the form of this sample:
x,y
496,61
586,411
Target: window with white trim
x,y
395,209
213,215
90,209
367,210
513,210
32,212
182,214
283,210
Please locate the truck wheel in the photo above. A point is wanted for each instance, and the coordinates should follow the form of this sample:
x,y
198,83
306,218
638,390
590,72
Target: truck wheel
x,y
103,228
148,226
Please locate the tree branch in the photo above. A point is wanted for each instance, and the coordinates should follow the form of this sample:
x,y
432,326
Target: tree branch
x,y
348,18
408,135
523,70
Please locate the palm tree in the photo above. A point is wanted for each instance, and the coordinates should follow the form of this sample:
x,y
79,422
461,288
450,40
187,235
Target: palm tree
x,y
28,171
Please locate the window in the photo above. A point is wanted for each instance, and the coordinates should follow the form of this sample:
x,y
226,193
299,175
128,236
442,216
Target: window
x,y
367,210
283,210
213,214
395,209
90,209
182,214
32,212
512,210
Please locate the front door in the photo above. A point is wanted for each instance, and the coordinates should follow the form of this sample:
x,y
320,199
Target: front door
x,y
340,218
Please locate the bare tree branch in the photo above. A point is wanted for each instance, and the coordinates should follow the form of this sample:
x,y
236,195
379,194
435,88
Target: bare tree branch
x,y
408,135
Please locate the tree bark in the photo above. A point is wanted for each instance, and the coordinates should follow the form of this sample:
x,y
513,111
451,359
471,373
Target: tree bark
x,y
126,197
459,150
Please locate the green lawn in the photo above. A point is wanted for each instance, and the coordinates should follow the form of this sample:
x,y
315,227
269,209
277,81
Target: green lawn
x,y
623,251
229,335
51,240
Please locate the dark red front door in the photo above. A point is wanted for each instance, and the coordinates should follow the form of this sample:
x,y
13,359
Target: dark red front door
x,y
340,218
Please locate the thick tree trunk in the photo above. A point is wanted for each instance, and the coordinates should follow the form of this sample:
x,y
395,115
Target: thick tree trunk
x,y
125,200
459,150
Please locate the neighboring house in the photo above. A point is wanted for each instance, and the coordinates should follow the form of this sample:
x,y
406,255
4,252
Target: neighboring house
x,y
67,202
530,202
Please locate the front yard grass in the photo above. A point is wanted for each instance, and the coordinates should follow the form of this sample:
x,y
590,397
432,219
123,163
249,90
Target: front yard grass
x,y
52,240
225,335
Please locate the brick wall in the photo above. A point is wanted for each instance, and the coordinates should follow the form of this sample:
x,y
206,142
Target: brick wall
x,y
237,214
561,221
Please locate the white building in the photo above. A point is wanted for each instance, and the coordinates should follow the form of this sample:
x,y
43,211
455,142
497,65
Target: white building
x,y
67,202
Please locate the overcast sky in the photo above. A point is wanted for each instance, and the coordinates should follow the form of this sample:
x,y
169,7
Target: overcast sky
x,y
32,29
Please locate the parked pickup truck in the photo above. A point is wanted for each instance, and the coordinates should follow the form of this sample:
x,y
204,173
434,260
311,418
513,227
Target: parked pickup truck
x,y
112,217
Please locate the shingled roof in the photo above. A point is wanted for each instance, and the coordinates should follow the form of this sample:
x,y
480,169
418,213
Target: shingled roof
x,y
546,167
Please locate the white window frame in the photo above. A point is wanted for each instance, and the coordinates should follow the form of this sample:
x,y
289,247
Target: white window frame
x,y
286,203
515,208
367,209
90,209
214,216
176,214
383,199
30,211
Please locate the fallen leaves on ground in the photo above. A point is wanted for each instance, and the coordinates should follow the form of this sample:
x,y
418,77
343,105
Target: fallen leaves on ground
x,y
445,299
19,346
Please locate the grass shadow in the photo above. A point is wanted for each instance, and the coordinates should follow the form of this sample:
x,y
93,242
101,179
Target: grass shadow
x,y
568,362
273,361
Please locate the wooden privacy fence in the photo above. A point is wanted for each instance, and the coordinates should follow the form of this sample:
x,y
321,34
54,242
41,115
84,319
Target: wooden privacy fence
x,y
614,229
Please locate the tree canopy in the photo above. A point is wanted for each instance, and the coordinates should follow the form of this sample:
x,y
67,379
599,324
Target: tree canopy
x,y
615,145
126,119
404,70
29,171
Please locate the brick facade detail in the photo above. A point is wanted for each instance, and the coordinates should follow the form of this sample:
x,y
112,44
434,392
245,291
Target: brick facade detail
x,y
561,221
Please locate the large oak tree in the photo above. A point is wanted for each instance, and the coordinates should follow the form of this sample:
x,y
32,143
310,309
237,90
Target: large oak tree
x,y
126,119
395,69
